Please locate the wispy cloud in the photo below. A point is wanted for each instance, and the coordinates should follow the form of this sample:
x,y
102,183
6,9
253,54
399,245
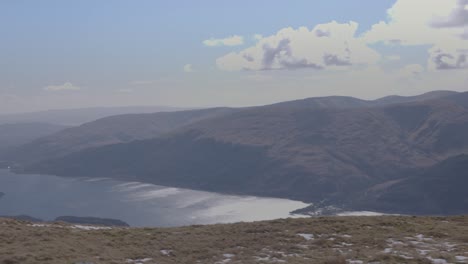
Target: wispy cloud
x,y
234,40
188,68
68,86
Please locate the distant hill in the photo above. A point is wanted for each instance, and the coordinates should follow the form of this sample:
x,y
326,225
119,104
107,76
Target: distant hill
x,y
393,99
345,102
110,130
130,127
71,220
74,117
14,135
23,218
299,152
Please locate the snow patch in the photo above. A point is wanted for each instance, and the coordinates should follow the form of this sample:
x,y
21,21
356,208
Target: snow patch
x,y
355,262
306,236
388,250
437,260
138,261
88,228
165,252
40,225
359,213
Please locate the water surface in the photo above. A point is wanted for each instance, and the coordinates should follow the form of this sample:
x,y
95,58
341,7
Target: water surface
x,y
138,204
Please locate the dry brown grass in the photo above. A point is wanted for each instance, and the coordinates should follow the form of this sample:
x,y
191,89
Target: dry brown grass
x,y
337,240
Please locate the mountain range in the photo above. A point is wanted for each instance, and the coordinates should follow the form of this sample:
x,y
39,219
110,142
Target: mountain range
x,y
395,154
74,117
14,135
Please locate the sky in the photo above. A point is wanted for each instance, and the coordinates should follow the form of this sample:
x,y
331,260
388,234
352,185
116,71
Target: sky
x,y
73,54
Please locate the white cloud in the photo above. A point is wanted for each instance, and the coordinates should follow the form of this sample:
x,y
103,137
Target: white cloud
x,y
64,87
441,25
188,68
234,40
326,46
436,23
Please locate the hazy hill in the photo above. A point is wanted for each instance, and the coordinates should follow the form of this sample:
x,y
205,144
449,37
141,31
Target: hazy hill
x,y
344,102
302,153
405,99
110,130
126,128
14,135
73,117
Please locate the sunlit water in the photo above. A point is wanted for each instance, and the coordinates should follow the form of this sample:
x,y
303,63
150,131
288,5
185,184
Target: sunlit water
x,y
138,204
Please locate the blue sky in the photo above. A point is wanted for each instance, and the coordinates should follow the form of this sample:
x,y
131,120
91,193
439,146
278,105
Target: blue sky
x,y
61,54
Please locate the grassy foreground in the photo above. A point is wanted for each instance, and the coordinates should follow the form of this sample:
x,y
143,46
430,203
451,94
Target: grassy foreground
x,y
383,239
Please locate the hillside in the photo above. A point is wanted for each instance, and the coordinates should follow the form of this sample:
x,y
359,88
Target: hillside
x,y
15,135
346,102
75,117
440,189
298,153
326,155
130,127
330,240
110,130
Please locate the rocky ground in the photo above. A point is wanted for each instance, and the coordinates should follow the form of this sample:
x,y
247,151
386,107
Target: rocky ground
x,y
382,239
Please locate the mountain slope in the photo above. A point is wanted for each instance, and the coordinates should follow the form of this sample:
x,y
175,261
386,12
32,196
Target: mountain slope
x,y
345,102
440,189
14,135
126,128
74,117
395,99
300,153
110,130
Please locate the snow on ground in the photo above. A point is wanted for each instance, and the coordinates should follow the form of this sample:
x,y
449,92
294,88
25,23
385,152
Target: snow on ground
x,y
437,260
355,262
80,227
227,258
359,213
86,227
306,236
166,252
40,225
138,261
